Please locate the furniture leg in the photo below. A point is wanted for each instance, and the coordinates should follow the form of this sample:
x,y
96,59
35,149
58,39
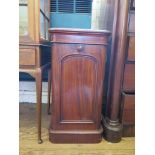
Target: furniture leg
x,y
49,92
39,102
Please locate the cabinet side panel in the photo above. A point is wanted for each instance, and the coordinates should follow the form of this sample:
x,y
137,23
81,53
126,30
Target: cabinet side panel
x,y
129,78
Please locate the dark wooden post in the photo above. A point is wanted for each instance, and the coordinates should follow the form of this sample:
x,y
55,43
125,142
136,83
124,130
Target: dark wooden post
x,y
112,124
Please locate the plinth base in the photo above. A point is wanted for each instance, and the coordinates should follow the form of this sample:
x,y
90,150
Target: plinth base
x,y
112,130
89,136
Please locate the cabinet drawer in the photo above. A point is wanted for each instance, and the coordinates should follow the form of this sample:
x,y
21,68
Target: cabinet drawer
x,y
79,49
131,49
128,110
129,78
131,28
27,56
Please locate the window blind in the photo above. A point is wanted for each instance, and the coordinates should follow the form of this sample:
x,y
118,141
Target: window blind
x,y
71,6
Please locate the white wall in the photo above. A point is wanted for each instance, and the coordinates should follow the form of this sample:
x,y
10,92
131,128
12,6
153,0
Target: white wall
x,y
27,92
102,14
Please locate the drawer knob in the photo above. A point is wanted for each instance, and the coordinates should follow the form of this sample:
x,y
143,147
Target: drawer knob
x,y
80,48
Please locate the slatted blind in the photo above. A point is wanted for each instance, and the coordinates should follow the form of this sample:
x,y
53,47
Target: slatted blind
x,y
66,6
71,6
53,6
83,6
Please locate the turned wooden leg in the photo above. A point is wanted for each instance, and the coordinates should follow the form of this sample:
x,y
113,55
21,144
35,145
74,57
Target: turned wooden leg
x,y
49,92
39,102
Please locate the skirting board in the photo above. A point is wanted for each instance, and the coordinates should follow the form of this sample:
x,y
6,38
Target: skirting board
x,y
27,92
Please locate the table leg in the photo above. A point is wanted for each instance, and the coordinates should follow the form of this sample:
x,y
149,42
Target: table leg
x,y
39,102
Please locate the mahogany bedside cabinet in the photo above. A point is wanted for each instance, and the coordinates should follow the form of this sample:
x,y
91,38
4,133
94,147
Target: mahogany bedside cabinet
x,y
78,70
34,45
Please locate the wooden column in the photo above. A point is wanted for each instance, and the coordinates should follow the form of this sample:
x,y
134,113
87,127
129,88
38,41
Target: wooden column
x,y
112,125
